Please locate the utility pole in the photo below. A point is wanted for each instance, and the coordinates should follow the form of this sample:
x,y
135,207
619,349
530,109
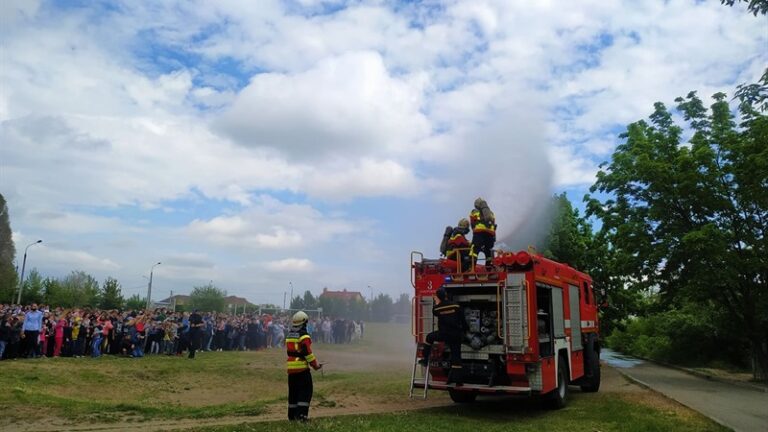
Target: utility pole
x,y
284,293
23,266
173,302
149,286
290,303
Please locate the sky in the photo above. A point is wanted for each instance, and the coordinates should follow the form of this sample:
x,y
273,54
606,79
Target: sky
x,y
268,146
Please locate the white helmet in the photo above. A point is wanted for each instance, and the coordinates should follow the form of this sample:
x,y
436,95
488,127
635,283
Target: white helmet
x,y
299,319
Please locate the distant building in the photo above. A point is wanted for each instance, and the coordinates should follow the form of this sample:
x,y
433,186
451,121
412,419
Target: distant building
x,y
233,303
174,301
342,295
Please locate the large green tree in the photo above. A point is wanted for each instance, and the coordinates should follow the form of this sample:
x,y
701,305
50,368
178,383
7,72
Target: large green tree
x,y
208,298
78,289
571,240
570,236
688,218
111,296
8,276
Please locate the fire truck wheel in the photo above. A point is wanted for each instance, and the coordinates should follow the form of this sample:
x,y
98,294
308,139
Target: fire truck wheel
x,y
558,396
461,396
591,383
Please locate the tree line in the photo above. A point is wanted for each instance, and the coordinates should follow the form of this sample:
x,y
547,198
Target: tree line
x,y
79,289
681,249
381,308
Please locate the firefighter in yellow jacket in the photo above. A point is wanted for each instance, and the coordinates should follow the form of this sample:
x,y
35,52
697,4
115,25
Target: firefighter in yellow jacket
x,y
483,224
300,358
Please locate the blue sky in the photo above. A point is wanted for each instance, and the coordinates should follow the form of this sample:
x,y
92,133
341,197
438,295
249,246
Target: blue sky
x,y
319,142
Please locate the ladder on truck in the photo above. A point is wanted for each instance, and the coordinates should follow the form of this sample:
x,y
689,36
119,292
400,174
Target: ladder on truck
x,y
417,381
419,332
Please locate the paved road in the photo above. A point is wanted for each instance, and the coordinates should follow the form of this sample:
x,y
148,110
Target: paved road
x,y
741,408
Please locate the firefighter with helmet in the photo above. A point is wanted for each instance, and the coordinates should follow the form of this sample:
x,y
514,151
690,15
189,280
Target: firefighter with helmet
x,y
483,229
300,358
458,247
450,329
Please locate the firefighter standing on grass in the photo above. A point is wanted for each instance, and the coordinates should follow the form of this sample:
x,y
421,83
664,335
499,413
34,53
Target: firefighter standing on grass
x,y
300,358
450,329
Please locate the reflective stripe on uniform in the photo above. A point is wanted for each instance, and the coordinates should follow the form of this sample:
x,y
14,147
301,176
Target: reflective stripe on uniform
x,y
479,225
310,358
303,404
303,337
293,405
297,365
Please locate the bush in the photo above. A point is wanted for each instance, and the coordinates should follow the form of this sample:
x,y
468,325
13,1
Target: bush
x,y
687,336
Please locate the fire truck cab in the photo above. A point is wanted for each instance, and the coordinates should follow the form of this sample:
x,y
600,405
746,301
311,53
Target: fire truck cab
x,y
531,327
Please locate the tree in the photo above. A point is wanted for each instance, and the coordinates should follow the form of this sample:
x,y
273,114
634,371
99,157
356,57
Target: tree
x,y
33,291
401,309
571,240
8,277
308,301
690,219
136,302
569,236
208,298
755,6
381,308
111,295
78,289
51,291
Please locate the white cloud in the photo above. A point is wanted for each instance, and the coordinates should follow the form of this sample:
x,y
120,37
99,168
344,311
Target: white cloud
x,y
290,265
74,259
344,106
368,177
571,169
189,259
271,224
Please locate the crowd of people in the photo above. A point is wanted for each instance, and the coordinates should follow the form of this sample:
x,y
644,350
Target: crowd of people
x,y
42,331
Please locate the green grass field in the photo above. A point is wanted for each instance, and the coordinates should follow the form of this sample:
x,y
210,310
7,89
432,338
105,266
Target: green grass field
x,y
602,413
241,390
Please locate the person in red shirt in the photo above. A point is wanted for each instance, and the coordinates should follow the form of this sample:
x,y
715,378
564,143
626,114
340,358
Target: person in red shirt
x,y
298,344
58,336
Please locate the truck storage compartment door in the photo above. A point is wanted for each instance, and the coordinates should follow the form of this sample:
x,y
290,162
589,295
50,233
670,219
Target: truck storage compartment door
x,y
573,297
515,314
558,323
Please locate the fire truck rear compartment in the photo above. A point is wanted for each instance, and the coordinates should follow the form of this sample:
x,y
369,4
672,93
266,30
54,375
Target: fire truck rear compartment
x,y
483,354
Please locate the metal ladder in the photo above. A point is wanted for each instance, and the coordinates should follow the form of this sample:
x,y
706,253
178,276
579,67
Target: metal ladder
x,y
425,375
419,330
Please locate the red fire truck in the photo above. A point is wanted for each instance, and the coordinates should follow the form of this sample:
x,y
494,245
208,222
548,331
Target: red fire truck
x,y
531,327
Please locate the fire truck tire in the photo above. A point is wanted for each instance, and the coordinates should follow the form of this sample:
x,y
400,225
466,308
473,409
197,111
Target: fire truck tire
x,y
591,382
461,396
557,398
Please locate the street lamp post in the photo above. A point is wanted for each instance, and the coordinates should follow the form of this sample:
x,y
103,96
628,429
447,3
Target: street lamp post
x,y
23,266
290,303
149,286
